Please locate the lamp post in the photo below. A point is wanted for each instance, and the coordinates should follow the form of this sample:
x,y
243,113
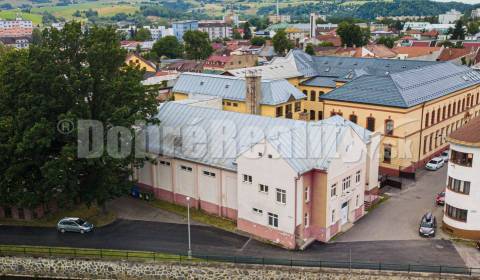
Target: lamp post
x,y
188,226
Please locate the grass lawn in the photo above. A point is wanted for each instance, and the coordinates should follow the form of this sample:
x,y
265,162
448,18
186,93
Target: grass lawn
x,y
92,214
12,14
103,9
196,215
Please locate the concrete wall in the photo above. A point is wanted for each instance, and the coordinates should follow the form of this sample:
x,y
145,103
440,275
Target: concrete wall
x,y
100,269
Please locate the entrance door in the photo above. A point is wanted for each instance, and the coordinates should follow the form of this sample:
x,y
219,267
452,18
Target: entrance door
x,y
344,213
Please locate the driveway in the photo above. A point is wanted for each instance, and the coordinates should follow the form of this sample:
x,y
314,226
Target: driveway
x,y
398,218
129,208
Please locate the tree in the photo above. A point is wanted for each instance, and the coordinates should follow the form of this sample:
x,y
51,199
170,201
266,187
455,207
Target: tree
x,y
309,49
36,36
389,42
458,33
70,76
143,34
281,44
352,35
472,28
326,44
168,46
258,41
247,33
197,44
236,35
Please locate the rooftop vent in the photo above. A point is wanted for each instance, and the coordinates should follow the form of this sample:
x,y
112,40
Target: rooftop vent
x,y
201,83
227,86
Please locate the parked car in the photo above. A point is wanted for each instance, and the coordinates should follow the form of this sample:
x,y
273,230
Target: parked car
x,y
440,198
435,163
74,225
445,154
428,225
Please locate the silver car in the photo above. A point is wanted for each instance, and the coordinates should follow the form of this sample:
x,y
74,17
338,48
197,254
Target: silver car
x,y
74,225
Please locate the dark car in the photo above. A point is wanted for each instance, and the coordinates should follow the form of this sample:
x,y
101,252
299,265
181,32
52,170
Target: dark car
x,y
428,225
440,198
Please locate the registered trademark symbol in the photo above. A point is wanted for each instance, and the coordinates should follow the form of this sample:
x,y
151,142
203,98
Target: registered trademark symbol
x,y
65,126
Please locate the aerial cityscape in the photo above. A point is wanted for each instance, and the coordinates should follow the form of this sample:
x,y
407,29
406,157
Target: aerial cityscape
x,y
222,139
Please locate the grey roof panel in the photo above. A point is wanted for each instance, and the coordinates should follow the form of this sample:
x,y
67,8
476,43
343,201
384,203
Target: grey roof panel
x,y
320,82
304,145
274,92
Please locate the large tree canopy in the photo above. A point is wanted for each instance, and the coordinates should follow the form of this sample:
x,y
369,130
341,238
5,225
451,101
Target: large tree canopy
x,y
168,46
197,44
71,76
352,35
281,44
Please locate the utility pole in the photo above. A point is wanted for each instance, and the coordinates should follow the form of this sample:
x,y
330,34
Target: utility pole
x,y
188,225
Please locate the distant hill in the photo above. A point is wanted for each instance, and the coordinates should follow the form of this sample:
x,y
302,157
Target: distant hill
x,y
369,9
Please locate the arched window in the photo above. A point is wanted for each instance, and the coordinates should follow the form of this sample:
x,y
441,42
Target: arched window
x,y
427,118
438,115
305,92
433,118
449,114
454,108
312,95
388,127
353,118
459,107
444,112
371,123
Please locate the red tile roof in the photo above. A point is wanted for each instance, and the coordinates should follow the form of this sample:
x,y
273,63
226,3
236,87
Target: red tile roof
x,y
452,54
415,51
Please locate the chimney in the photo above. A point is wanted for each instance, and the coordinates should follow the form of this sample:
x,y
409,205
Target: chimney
x,y
253,92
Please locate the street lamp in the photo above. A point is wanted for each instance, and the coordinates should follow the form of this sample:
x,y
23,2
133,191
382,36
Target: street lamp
x,y
188,226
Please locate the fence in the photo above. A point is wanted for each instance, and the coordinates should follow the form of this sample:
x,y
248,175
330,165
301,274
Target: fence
x,y
154,256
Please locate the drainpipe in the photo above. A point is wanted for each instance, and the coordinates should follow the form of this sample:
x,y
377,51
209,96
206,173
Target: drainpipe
x,y
421,133
295,210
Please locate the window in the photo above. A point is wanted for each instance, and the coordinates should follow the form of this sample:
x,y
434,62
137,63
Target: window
x,y
371,124
312,115
298,106
263,188
186,168
353,118
305,92
460,158
444,112
357,177
208,173
333,190
257,211
433,118
281,196
270,156
458,186
357,200
260,154
312,95
387,153
247,178
306,194
272,220
346,183
449,113
320,115
235,104
320,95
389,127
229,103
456,213
333,216
425,139
426,119
454,107
438,115
306,220
166,163
279,111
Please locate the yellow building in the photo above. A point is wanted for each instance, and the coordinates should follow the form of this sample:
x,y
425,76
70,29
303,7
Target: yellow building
x,y
414,104
272,98
137,60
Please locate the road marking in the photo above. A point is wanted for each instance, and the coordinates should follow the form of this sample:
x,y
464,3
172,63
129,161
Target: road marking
x,y
245,245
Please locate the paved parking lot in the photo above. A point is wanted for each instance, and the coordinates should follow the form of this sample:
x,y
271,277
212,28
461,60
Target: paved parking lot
x,y
398,218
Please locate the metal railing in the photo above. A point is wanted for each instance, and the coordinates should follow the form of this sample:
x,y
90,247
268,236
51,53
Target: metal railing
x,y
9,250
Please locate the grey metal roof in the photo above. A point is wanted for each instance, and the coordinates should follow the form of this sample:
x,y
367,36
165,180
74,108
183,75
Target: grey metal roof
x,y
283,70
320,82
202,135
409,88
349,68
274,92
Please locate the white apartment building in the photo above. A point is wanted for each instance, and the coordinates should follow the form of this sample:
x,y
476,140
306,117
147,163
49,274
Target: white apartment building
x,y
286,181
17,23
475,13
449,17
462,195
216,29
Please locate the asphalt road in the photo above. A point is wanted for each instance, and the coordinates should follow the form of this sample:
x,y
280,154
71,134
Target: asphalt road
x,y
172,238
